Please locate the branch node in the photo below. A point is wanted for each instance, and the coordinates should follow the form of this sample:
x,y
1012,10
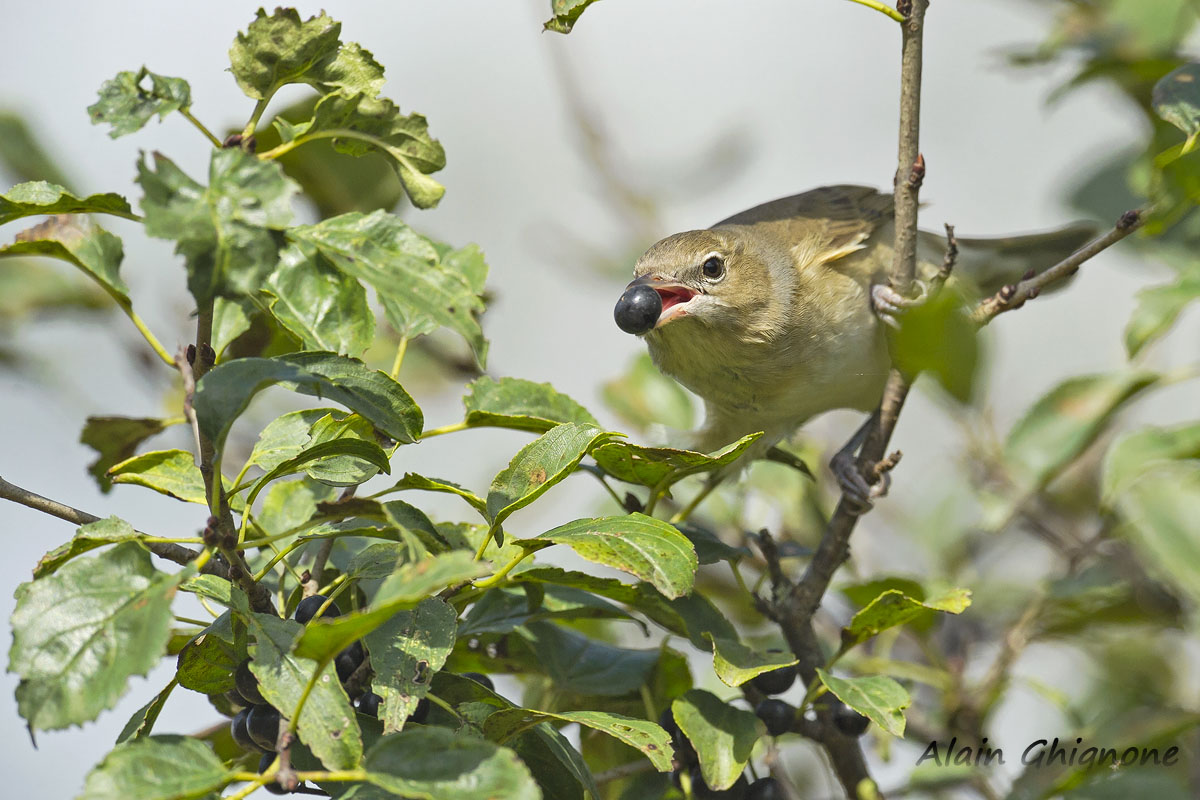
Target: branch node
x,y
904,8
190,354
916,174
1129,219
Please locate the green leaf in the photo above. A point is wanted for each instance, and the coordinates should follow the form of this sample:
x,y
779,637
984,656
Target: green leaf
x,y
1135,453
939,338
579,664
413,481
224,393
353,448
539,465
225,231
1157,309
723,736
420,291
521,404
642,546
643,396
430,763
95,534
362,458
77,241
157,768
650,466
231,318
115,439
327,722
170,472
646,737
142,722
206,664
126,104
281,48
284,437
566,14
80,633
892,608
23,152
360,124
406,650
1162,507
405,588
1176,98
325,309
556,765
1064,422
735,662
877,697
40,197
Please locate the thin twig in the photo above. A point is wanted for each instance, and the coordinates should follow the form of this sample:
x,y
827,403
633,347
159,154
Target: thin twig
x,y
1015,295
623,771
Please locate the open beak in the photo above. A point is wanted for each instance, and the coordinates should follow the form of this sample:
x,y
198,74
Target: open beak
x,y
674,297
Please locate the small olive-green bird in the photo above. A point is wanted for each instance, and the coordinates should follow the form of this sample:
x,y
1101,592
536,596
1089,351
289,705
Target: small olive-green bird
x,y
777,314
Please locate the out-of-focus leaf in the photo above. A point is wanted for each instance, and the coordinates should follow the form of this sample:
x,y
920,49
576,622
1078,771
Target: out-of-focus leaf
x,y
877,697
1101,595
892,608
115,439
643,546
157,768
80,633
724,736
405,653
644,396
126,103
1136,452
224,393
434,762
1176,98
577,663
650,466
324,308
521,404
327,722
77,241
22,154
28,287
419,290
362,124
95,534
539,465
566,14
1065,421
40,197
647,737
937,337
1157,309
142,722
225,231
1162,507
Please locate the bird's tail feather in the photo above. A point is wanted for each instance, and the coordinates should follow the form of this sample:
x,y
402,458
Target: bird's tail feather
x,y
987,263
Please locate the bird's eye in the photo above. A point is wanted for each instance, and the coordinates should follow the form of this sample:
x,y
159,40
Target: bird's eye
x,y
713,267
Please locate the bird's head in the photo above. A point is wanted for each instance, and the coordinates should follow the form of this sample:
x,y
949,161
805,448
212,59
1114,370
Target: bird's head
x,y
718,278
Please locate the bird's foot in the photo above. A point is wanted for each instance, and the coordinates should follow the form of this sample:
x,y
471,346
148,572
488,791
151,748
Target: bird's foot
x,y
860,494
888,304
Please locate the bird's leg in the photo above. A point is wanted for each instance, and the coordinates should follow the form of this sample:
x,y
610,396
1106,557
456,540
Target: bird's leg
x,y
845,468
888,304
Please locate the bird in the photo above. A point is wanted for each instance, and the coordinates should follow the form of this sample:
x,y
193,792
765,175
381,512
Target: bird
x,y
780,313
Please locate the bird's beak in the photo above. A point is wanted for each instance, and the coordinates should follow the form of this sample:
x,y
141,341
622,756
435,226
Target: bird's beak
x,y
674,296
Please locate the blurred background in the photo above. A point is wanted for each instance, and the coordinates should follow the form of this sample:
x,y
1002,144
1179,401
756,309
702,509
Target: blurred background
x,y
566,157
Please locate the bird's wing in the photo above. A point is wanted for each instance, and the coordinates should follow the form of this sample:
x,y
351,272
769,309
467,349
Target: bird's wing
x,y
821,225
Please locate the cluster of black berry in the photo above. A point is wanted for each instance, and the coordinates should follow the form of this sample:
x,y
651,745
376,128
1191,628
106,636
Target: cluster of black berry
x,y
779,716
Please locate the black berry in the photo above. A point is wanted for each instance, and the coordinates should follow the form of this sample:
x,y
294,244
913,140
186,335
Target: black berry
x,y
765,789
777,681
235,699
348,660
480,678
271,786
309,606
685,753
666,721
701,790
240,732
638,309
369,704
421,712
777,715
247,685
850,722
263,725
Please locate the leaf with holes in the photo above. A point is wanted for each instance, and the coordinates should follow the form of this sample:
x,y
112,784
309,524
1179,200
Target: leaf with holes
x,y
39,197
157,768
723,736
539,465
127,102
405,653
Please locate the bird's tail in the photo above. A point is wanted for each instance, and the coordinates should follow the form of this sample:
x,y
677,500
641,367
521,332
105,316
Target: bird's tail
x,y
988,263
